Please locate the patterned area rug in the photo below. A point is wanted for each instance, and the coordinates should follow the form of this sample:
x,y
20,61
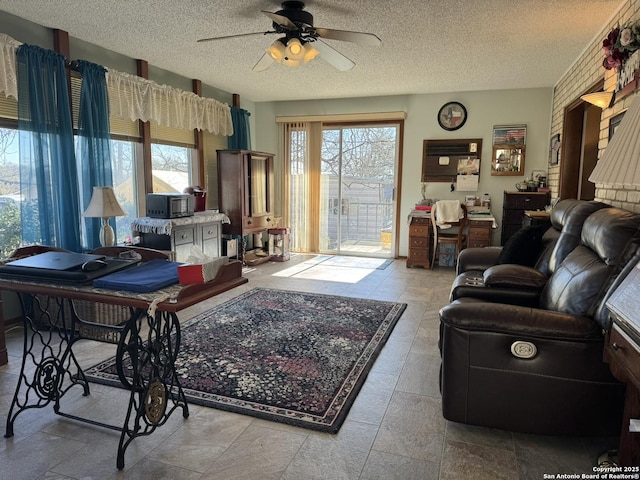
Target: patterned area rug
x,y
291,357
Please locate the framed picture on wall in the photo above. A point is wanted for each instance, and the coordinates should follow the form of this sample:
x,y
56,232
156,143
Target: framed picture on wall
x,y
554,149
509,134
508,160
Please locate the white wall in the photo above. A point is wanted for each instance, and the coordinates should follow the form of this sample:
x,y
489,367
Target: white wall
x,y
485,109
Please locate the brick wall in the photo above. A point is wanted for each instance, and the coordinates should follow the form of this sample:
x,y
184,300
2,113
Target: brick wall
x,y
585,72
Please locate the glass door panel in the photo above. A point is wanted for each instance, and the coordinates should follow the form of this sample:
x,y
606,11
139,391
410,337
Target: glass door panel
x,y
357,186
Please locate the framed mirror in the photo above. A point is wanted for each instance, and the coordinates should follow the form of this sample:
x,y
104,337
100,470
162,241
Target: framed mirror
x,y
508,160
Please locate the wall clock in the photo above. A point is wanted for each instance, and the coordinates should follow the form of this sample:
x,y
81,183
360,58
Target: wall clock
x,y
452,116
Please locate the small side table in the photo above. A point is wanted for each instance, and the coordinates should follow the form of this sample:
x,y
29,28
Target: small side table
x,y
534,218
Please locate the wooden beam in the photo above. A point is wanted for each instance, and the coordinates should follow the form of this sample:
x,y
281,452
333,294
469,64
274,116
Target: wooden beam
x,y
198,138
61,45
142,67
61,42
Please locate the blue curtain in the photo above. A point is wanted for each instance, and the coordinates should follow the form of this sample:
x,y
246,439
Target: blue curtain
x,y
241,138
93,148
50,209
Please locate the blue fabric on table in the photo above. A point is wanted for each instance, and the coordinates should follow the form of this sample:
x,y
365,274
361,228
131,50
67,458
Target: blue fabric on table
x,y
146,277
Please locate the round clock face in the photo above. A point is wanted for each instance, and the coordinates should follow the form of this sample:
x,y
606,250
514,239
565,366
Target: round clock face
x,y
452,116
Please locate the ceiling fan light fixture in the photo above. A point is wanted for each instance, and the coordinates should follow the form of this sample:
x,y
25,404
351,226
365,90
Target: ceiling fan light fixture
x,y
276,50
295,50
287,62
310,53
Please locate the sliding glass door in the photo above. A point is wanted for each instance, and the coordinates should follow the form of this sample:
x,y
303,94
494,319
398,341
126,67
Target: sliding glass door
x,y
357,189
340,184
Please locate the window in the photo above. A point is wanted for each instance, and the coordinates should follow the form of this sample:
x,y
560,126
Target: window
x,y
171,168
171,158
10,230
123,163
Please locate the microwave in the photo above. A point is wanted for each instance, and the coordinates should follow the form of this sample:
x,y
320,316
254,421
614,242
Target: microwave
x,y
169,205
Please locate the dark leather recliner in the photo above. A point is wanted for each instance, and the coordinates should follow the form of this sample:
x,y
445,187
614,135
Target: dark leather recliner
x,y
540,370
480,277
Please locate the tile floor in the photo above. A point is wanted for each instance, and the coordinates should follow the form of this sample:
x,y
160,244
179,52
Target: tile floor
x,y
394,430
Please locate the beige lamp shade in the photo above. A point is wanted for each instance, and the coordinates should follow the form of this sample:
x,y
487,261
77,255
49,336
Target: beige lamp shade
x,y
294,50
104,205
619,164
276,50
599,99
309,53
291,52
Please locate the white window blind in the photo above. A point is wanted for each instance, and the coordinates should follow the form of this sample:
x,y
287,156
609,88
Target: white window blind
x,y
212,143
8,107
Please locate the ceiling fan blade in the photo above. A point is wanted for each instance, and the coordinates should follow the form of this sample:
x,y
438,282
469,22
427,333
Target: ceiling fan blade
x,y
263,64
280,20
360,38
233,36
333,57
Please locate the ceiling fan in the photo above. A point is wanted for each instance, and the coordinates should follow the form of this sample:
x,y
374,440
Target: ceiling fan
x,y
301,41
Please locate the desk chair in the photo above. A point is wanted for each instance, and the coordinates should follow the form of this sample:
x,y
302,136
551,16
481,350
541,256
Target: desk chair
x,y
442,222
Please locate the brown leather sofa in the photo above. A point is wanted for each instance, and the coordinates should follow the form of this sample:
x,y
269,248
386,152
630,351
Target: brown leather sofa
x,y
567,215
483,274
540,370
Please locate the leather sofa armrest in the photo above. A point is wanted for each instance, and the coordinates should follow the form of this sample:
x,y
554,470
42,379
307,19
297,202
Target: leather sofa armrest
x,y
477,258
517,320
514,276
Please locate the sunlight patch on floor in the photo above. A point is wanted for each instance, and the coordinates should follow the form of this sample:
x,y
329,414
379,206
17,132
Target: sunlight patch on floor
x,y
330,268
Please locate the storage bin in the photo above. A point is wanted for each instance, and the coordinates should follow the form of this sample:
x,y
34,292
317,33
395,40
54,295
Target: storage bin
x,y
447,255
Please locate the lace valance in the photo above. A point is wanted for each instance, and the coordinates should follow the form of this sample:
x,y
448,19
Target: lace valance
x,y
137,98
8,78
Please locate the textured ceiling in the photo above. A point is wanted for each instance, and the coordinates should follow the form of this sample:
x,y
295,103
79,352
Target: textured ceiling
x,y
428,46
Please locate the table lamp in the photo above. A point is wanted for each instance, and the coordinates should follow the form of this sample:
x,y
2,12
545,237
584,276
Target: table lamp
x,y
619,164
104,205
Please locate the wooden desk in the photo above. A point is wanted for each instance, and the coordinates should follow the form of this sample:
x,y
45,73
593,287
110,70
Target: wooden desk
x,y
419,242
150,339
479,230
622,353
420,232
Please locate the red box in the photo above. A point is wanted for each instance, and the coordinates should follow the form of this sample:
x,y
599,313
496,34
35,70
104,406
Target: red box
x,y
200,272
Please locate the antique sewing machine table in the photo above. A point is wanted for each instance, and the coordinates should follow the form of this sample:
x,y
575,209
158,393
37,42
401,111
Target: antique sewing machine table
x,y
149,339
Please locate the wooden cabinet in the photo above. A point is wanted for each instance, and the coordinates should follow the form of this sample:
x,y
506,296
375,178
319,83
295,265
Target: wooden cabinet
x,y
622,352
178,235
182,239
479,233
210,239
419,242
206,236
513,207
245,193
